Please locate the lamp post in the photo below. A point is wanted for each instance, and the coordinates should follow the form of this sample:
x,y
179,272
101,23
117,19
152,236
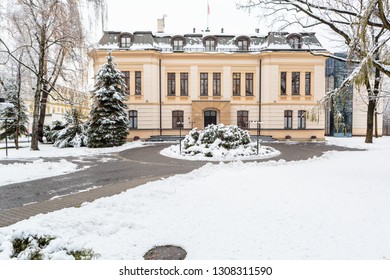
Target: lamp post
x,y
6,137
258,133
180,125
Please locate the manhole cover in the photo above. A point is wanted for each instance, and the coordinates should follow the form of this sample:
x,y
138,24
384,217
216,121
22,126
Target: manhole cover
x,y
167,252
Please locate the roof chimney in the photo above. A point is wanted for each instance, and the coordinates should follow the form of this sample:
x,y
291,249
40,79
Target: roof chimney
x,y
161,24
222,30
257,30
194,30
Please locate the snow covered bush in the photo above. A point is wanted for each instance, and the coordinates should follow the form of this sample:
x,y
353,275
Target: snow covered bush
x,y
73,134
50,132
217,140
28,246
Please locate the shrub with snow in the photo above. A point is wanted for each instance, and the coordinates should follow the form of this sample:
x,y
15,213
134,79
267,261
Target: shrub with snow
x,y
218,140
50,132
28,246
73,134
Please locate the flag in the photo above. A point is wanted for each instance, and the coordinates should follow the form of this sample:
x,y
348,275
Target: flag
x,y
208,8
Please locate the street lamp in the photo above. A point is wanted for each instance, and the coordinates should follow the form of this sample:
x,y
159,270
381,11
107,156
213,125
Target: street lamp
x,y
258,133
180,125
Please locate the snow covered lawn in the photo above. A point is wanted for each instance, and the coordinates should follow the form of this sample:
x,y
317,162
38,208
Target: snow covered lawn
x,y
333,207
49,151
21,172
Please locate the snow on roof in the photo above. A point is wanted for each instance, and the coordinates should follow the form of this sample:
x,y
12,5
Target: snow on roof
x,y
194,42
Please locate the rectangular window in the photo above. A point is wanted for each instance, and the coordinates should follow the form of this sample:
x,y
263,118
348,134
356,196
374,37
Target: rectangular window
x,y
133,119
283,79
249,84
242,45
204,84
183,84
171,84
236,84
287,119
210,45
138,88
177,119
125,42
295,81
242,119
216,84
126,78
178,45
307,83
301,119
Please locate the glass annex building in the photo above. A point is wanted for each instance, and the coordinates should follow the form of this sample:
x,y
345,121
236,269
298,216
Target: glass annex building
x,y
339,114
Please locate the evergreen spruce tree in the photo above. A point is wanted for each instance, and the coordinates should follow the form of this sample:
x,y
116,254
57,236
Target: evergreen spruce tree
x,y
108,122
17,120
73,134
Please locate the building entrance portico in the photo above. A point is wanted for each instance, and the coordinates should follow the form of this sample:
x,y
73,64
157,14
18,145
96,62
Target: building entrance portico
x,y
210,112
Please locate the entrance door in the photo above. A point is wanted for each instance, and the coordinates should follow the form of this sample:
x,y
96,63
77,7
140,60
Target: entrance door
x,y
210,117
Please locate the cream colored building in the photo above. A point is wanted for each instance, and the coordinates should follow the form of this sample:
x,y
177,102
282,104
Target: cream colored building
x,y
206,78
57,107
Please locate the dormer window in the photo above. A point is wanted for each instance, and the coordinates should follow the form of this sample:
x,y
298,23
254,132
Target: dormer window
x,y
209,44
178,44
125,41
295,41
243,44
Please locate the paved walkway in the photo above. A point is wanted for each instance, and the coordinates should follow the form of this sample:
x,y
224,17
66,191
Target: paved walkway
x,y
113,175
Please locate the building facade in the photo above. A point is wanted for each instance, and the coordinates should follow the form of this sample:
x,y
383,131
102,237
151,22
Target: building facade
x,y
347,115
271,81
66,100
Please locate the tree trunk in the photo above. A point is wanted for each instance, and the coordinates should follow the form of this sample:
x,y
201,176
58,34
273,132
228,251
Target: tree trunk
x,y
370,121
376,124
34,136
38,91
42,112
18,109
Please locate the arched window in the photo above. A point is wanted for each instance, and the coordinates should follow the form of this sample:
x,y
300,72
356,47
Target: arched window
x,y
133,119
295,41
125,40
243,43
210,44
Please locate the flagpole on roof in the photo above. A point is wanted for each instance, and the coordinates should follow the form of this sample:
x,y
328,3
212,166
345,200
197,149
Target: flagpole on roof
x,y
208,14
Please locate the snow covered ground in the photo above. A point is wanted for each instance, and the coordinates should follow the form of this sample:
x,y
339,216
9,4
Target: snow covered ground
x,y
21,172
49,151
38,169
333,207
220,154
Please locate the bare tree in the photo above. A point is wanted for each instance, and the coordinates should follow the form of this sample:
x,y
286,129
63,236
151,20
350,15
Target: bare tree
x,y
362,24
48,31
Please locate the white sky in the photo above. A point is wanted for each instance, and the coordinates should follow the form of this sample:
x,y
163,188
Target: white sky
x,y
182,16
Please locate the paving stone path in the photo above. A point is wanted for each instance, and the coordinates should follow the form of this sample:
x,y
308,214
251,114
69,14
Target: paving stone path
x,y
112,174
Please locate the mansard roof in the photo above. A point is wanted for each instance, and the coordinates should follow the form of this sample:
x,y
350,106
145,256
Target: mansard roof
x,y
194,42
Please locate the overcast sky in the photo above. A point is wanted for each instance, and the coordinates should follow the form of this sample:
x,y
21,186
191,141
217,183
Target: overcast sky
x,y
184,15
